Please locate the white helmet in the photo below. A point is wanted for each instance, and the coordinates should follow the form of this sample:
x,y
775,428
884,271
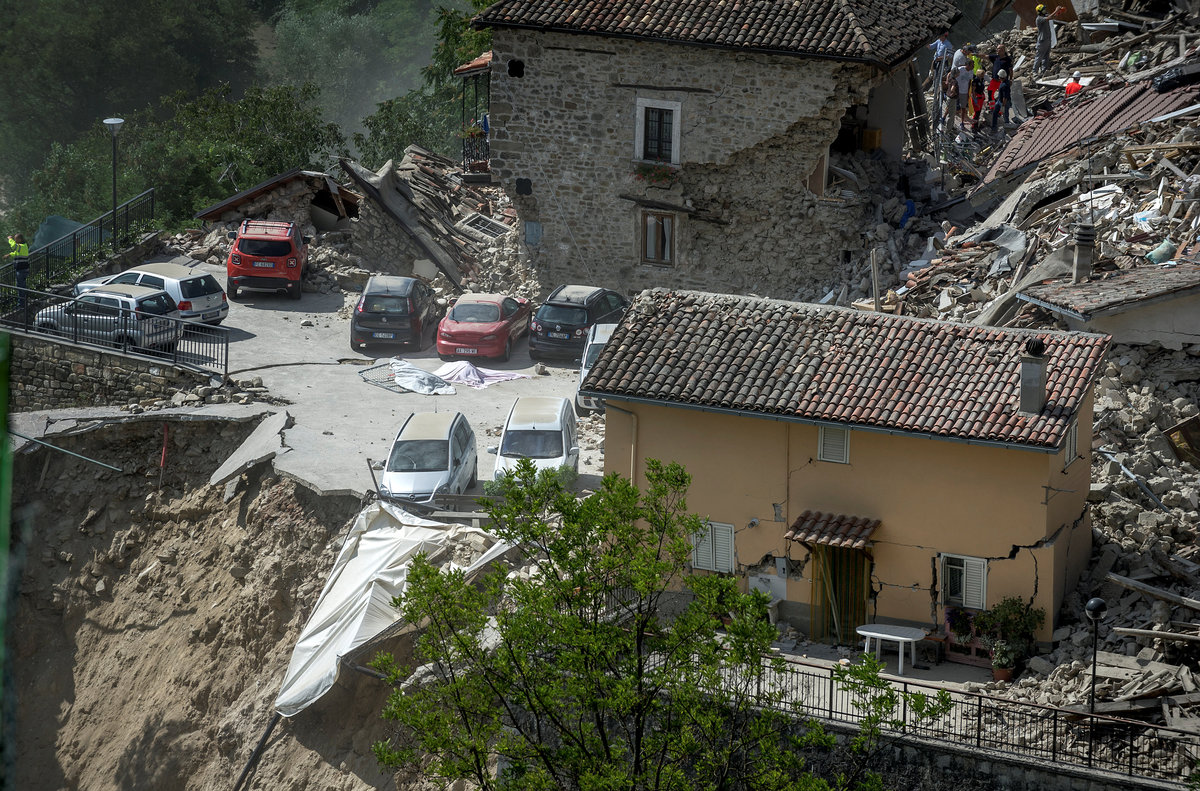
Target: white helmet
x,y
1076,75
1002,74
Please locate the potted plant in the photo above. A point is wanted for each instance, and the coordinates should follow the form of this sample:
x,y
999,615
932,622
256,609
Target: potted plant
x,y
1004,658
1014,621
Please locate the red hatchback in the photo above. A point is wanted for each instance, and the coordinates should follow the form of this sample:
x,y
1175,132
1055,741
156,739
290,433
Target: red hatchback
x,y
483,325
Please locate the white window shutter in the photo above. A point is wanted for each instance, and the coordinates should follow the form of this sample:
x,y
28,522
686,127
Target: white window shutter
x,y
834,445
974,583
702,550
721,537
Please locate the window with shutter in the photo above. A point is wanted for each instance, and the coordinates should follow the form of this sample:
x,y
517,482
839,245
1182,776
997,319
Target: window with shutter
x,y
712,548
834,445
964,581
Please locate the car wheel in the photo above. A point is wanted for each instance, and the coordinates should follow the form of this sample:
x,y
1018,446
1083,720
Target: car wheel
x,y
231,290
507,351
294,290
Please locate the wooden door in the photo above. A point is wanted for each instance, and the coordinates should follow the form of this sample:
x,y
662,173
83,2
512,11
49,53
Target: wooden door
x,y
841,589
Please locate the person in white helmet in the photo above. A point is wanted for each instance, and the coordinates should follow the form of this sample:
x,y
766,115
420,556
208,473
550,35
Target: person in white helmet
x,y
1073,87
1003,98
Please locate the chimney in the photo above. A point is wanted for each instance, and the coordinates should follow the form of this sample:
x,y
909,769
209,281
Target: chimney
x,y
1085,251
1033,377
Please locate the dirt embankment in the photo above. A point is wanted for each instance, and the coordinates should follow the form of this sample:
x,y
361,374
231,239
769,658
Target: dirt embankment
x,y
153,625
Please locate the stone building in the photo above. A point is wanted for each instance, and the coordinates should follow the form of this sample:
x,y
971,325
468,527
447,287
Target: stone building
x,y
687,144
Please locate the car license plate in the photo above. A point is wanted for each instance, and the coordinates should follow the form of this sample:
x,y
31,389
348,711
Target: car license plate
x,y
460,350
213,315
560,335
383,335
264,264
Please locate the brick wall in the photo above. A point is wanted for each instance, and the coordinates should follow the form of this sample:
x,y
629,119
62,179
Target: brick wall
x,y
49,375
752,128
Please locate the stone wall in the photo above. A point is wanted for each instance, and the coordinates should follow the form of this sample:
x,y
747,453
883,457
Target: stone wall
x,y
380,242
49,375
753,127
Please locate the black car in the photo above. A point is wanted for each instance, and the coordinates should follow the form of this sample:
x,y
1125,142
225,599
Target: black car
x,y
392,310
560,326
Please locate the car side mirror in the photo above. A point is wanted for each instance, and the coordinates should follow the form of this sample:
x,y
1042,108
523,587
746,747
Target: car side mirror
x,y
306,239
574,451
492,450
231,235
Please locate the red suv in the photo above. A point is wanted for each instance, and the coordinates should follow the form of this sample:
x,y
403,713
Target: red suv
x,y
267,255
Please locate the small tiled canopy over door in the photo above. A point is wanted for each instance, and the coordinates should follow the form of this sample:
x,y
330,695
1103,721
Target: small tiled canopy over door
x,y
841,571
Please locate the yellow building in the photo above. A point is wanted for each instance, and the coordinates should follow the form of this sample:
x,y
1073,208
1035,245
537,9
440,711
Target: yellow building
x,y
861,467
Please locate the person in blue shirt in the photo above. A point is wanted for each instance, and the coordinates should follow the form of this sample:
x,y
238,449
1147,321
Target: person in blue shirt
x,y
943,50
1003,98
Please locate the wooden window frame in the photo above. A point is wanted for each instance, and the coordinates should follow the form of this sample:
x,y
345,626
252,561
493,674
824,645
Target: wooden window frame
x,y
640,129
665,259
967,599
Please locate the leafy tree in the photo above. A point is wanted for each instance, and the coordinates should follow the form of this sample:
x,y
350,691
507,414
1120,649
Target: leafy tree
x,y
429,116
578,677
194,152
69,65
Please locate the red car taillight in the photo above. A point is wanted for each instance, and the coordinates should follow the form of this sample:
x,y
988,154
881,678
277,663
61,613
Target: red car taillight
x,y
185,305
412,309
579,333
291,263
235,259
537,327
359,307
224,299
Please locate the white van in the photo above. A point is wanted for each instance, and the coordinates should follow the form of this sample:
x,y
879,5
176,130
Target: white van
x,y
541,429
597,337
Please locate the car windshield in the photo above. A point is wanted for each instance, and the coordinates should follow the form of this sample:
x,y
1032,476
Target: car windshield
x,y
532,444
557,314
593,352
419,455
269,248
377,303
199,287
475,313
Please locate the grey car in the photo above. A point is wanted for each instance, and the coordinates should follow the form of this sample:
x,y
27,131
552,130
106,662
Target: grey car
x,y
433,453
117,315
198,295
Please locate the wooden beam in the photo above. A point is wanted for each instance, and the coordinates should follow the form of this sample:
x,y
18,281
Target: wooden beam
x,y
1150,590
1174,636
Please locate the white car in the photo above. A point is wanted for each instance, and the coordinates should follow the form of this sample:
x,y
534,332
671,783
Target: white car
x,y
198,295
433,453
597,337
541,429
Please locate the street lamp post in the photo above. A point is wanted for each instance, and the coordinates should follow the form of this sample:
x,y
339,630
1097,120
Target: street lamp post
x,y
1096,609
114,126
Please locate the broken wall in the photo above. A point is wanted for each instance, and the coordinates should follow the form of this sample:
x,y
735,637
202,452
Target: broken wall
x,y
49,375
752,128
381,243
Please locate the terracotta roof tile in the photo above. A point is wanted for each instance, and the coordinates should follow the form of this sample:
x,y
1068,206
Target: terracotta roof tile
x,y
815,363
1109,111
881,32
1115,292
836,530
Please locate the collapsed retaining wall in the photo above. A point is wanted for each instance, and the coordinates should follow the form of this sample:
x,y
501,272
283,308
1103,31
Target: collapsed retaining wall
x,y
50,375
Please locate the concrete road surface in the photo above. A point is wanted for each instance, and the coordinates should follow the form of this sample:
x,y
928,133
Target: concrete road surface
x,y
340,420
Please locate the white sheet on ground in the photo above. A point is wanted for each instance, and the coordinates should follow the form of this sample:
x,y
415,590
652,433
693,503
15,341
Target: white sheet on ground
x,y
464,373
356,604
410,377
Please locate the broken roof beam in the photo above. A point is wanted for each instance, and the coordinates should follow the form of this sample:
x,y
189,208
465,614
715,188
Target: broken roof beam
x,y
1173,636
1150,590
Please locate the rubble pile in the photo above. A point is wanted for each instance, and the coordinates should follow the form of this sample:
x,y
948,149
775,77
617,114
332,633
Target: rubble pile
x,y
239,391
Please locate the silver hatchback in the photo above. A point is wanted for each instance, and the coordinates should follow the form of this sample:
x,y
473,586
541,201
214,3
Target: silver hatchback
x,y
433,453
115,316
198,295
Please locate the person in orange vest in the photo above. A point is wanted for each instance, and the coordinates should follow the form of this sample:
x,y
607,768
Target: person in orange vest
x,y
1073,87
19,258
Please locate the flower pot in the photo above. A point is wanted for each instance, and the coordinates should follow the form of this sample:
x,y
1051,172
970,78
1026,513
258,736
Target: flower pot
x,y
1002,673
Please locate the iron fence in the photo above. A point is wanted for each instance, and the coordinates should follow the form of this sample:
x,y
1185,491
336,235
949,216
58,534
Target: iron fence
x,y
1026,730
58,260
188,344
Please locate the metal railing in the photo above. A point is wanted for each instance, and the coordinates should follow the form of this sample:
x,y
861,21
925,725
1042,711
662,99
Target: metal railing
x,y
1025,730
477,151
187,344
56,261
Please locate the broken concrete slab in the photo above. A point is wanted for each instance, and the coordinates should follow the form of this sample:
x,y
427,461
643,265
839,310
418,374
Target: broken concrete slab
x,y
263,444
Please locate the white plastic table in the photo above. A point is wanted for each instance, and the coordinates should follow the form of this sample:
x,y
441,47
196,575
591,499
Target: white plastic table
x,y
901,634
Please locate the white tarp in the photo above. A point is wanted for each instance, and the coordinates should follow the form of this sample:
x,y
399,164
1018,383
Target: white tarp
x,y
356,603
464,373
410,377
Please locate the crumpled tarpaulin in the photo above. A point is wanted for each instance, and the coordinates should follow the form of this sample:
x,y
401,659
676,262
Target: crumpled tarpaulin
x,y
356,604
464,373
401,376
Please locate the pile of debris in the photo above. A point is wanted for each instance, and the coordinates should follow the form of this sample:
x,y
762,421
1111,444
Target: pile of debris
x,y
239,391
